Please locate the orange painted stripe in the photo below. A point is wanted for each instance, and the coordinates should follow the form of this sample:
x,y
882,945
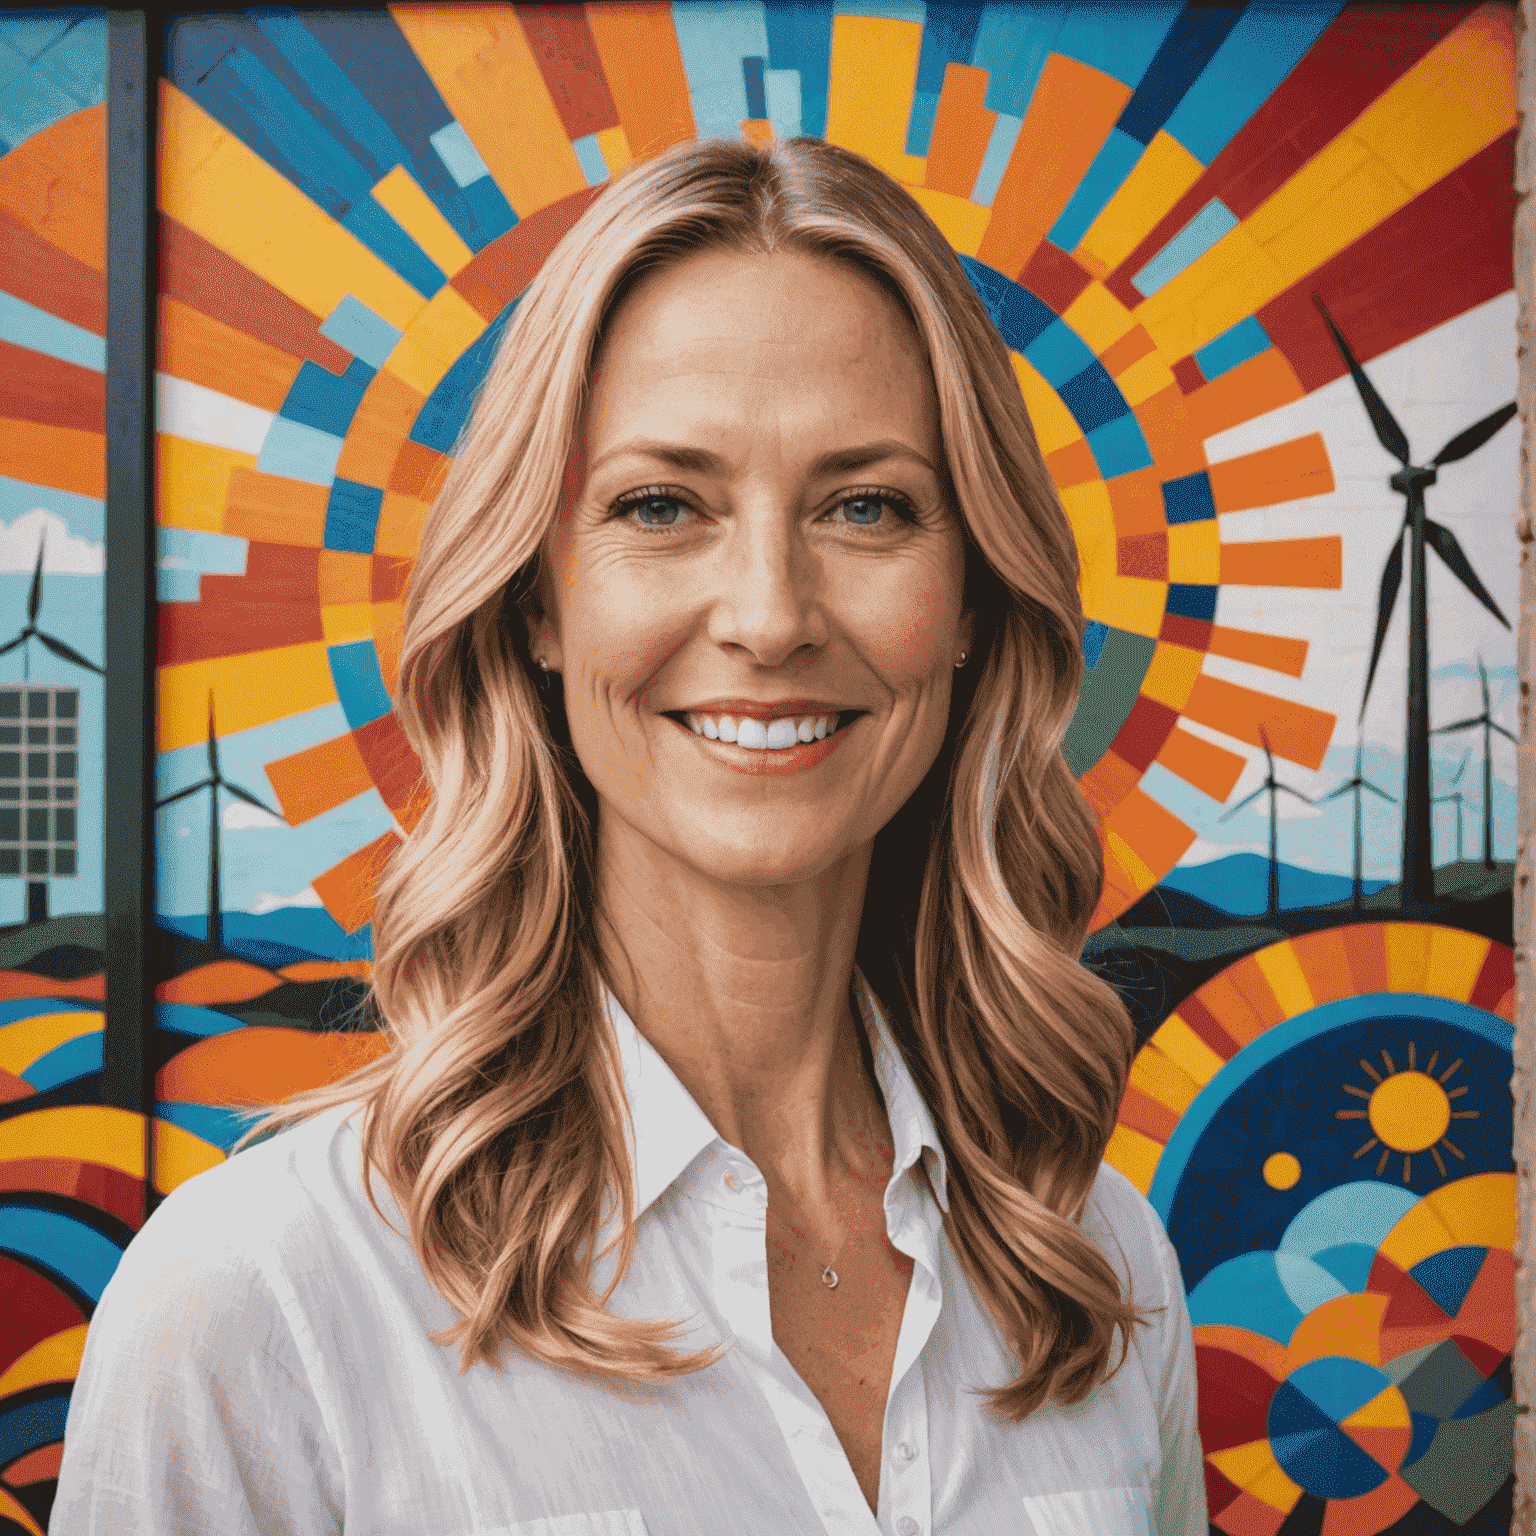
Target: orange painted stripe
x,y
1296,732
418,470
638,46
1155,833
388,640
962,128
55,184
1143,1113
1118,895
1324,960
1284,563
224,981
345,576
1248,978
62,457
757,130
1232,1010
1286,472
1202,763
318,779
14,984
1366,946
1131,348
202,350
1073,464
383,422
1276,652
1136,503
1170,434
327,970
1108,782
273,510
1073,109
263,1064
401,520
1262,384
347,888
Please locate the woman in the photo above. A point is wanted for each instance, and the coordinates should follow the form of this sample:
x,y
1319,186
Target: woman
x,y
744,1118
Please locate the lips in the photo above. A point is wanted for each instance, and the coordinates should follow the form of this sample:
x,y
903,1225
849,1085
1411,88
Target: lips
x,y
777,734
767,738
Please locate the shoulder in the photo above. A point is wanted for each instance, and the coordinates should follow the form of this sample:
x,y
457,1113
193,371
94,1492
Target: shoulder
x,y
1129,1233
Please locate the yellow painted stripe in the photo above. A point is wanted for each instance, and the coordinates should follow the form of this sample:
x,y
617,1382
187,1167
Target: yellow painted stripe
x,y
254,688
229,195
1177,1041
435,342
1244,1464
1147,376
1055,426
346,622
614,143
1129,860
1098,317
874,71
481,64
1455,958
192,482
13,1509
178,1155
1165,172
1453,103
1282,970
94,1133
56,1358
1134,1155
1161,1078
1172,671
1194,551
25,1040
416,213
1478,1211
961,221
1407,956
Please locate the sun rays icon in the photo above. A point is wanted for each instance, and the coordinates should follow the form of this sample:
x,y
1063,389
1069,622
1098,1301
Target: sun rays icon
x,y
1409,1110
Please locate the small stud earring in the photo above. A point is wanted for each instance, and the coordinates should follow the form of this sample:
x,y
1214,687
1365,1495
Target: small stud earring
x,y
543,665
961,662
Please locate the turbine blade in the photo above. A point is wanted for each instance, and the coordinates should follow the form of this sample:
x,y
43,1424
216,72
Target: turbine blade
x,y
1285,789
1388,433
35,591
1475,436
1333,794
1366,784
1262,789
181,794
1508,735
1443,542
69,653
1456,777
250,799
11,645
1391,580
1460,725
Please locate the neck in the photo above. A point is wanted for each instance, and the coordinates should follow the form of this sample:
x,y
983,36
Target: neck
x,y
744,991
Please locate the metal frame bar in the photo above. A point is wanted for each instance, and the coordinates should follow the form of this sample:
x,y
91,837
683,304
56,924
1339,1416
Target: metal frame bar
x,y
128,841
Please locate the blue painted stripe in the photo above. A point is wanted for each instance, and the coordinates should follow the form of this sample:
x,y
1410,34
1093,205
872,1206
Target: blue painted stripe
x,y
1267,43
363,333
1093,397
1113,163
1211,224
781,98
752,79
892,10
178,586
1094,636
359,683
949,35
441,420
1189,46
589,153
31,1425
925,109
1013,40
713,37
1119,447
1005,134
1192,806
457,151
1016,312
214,1123
36,1007
1059,353
33,32
1190,600
64,1063
1246,339
62,1245
323,400
385,238
25,325
189,1019
1120,40
297,452
1188,499
490,207
352,516
800,39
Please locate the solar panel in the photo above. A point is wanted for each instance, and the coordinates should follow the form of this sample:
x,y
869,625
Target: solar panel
x,y
39,782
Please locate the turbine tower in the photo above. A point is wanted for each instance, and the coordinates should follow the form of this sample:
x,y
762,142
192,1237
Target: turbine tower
x,y
1455,798
1486,721
1274,787
1409,482
1354,786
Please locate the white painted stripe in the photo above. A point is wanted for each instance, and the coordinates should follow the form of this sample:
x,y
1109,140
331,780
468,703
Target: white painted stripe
x,y
203,415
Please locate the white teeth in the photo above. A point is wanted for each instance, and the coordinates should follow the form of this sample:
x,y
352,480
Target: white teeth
x,y
822,727
762,736
728,728
780,734
752,734
806,730
711,729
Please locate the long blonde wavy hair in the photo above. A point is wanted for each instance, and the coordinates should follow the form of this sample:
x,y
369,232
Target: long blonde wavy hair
x,y
497,1116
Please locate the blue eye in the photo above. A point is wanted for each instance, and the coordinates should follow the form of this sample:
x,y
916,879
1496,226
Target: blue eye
x,y
655,511
863,511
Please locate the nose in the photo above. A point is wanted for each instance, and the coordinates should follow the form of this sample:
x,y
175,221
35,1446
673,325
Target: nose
x,y
767,602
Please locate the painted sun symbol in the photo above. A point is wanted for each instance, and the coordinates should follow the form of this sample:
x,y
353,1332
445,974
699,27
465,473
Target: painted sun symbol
x,y
1410,1110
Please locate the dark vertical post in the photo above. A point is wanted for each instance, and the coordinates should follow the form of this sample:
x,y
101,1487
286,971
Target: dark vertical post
x,y
1418,867
126,1081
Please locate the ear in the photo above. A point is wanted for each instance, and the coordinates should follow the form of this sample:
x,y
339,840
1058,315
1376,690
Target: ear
x,y
543,638
965,632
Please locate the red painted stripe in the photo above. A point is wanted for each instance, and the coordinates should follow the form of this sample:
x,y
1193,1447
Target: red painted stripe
x,y
1495,978
201,275
391,761
51,279
1444,253
507,265
562,45
36,387
276,602
1345,70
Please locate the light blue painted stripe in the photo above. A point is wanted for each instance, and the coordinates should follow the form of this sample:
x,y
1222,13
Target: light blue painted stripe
x,y
457,151
24,325
243,755
74,1058
31,32
593,166
214,1123
713,37
1259,52
1013,40
213,554
1005,134
363,333
298,452
36,1007
190,1019
1192,806
85,515
1118,447
925,109
1058,353
1246,339
781,88
178,585
325,840
1192,242
891,10
1120,40
1113,163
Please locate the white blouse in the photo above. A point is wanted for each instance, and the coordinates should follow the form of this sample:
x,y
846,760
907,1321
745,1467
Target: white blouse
x,y
259,1363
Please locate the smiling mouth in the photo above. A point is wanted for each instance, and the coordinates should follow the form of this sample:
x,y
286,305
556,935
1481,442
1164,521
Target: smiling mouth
x,y
776,735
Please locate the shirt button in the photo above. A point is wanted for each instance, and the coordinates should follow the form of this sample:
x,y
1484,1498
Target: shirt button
x,y
729,1179
906,1526
906,1451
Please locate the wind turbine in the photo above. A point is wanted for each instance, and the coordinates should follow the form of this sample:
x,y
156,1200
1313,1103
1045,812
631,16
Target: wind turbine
x,y
1485,720
1456,798
1273,786
32,632
1355,785
213,784
1409,481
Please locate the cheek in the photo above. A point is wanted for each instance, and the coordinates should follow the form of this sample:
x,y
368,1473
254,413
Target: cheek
x,y
907,625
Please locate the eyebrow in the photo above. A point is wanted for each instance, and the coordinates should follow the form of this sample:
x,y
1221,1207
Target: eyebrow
x,y
839,461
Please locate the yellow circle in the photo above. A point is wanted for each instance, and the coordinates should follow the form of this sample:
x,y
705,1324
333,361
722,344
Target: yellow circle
x,y
1410,1111
1281,1170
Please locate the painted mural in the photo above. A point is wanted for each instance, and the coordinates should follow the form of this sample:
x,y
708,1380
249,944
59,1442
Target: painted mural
x,y
1253,264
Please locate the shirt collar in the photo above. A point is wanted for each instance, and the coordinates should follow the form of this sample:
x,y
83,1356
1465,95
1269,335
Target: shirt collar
x,y
670,1130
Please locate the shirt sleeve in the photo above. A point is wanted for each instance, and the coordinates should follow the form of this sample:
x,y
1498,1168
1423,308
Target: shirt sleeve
x,y
191,1415
1181,1507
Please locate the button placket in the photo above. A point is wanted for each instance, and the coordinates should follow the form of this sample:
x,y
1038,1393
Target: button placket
x,y
908,1483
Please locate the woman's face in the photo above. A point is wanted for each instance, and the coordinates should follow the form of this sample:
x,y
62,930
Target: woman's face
x,y
755,581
